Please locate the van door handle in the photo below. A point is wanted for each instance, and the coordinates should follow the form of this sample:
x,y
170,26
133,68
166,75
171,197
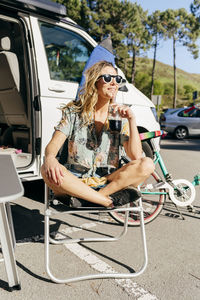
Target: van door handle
x,y
57,88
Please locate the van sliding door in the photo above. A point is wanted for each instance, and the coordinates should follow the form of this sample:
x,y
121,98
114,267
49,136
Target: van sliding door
x,y
16,134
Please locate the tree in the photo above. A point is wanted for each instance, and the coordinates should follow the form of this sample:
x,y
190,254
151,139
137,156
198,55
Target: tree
x,y
188,89
181,28
157,31
195,9
106,20
142,82
136,32
159,89
73,8
85,13
122,58
78,11
168,88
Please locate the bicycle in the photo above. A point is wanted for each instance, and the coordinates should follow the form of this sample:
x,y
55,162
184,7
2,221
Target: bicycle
x,y
157,188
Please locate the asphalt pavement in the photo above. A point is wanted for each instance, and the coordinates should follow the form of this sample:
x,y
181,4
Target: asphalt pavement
x,y
173,246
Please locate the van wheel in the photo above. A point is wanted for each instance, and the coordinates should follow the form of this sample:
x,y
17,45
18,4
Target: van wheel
x,y
181,133
147,149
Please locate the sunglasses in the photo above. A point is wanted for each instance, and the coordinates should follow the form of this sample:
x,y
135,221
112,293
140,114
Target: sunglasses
x,y
108,78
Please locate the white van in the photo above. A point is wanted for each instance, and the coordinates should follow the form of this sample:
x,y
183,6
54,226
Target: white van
x,y
42,56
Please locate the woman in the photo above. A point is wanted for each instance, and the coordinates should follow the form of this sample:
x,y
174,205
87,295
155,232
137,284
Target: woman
x,y
93,149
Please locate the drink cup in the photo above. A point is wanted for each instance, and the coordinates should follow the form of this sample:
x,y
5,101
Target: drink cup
x,y
114,120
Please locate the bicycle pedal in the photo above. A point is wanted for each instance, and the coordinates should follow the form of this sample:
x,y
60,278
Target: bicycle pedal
x,y
191,209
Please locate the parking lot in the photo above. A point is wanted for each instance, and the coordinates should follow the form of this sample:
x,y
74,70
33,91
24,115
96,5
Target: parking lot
x,y
173,246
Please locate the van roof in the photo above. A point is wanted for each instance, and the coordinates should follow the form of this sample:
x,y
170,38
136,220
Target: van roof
x,y
44,7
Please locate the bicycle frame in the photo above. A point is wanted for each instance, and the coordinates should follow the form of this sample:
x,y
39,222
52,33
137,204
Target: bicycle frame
x,y
167,184
158,160
158,187
196,180
173,188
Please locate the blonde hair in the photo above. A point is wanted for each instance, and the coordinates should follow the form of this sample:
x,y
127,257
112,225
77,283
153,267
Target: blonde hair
x,y
88,95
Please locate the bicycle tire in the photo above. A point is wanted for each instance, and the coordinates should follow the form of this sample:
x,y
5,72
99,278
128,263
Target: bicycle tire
x,y
151,207
147,150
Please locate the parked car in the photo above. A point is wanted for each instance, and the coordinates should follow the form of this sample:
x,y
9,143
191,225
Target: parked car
x,y
42,57
182,122
166,112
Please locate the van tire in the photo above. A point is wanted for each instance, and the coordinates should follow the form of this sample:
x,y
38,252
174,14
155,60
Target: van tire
x,y
147,149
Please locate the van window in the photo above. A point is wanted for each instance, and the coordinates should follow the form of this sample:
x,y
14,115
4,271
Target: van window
x,y
67,52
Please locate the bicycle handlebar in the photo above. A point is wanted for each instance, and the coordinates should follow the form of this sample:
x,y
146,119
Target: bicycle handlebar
x,y
151,134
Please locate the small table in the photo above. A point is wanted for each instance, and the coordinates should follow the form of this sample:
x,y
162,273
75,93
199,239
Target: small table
x,y
10,189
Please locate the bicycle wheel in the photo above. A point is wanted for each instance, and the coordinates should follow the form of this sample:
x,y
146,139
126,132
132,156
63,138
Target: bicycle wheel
x,y
152,204
185,193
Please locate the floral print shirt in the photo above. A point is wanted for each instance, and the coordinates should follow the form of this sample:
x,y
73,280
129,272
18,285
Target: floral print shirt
x,y
87,149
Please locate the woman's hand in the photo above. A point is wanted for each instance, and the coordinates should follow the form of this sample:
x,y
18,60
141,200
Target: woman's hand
x,y
124,111
133,145
53,170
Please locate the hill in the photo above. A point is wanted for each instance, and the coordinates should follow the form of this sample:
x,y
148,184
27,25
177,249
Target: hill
x,y
164,81
165,73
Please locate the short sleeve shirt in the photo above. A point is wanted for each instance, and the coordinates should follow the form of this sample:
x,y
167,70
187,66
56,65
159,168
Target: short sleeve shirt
x,y
87,149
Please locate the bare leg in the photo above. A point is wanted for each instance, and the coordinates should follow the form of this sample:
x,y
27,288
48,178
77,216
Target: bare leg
x,y
133,173
73,186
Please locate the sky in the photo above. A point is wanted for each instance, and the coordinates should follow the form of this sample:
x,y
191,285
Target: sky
x,y
184,59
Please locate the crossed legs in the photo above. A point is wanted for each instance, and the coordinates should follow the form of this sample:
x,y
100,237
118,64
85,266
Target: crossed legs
x,y
133,173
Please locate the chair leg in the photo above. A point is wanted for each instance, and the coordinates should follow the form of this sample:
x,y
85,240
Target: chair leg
x,y
48,239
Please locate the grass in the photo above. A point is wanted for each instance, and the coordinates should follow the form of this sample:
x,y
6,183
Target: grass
x,y
165,73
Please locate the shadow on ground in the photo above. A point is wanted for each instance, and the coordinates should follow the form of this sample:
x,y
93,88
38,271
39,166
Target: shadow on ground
x,y
191,144
34,190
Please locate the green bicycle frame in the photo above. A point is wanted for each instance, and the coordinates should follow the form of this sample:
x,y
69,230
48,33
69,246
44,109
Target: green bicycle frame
x,y
158,160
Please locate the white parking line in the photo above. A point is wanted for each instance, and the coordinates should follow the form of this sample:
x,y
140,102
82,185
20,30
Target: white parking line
x,y
130,287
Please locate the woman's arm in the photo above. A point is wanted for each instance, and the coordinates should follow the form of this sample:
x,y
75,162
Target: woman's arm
x,y
133,146
51,165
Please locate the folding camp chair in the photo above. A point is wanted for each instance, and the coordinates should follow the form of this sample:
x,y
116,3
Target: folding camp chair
x,y
50,212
